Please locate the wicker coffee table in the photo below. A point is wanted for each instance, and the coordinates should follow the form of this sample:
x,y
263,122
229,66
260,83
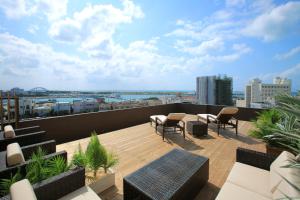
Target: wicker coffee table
x,y
176,175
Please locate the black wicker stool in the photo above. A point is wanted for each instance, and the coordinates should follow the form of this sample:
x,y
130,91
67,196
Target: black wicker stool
x,y
196,128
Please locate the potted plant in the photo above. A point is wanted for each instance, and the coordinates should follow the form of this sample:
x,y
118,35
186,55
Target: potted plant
x,y
264,125
280,127
286,133
98,163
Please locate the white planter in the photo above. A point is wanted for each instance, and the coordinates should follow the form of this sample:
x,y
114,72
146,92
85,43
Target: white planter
x,y
104,182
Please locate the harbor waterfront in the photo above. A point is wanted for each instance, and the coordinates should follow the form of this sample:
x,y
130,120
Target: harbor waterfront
x,y
44,103
107,99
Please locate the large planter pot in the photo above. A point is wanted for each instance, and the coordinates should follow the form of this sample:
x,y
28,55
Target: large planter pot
x,y
274,151
104,182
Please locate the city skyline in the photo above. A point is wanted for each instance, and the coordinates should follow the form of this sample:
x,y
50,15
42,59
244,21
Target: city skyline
x,y
142,45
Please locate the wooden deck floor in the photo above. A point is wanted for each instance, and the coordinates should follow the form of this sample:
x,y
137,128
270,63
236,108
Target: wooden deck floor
x,y
138,145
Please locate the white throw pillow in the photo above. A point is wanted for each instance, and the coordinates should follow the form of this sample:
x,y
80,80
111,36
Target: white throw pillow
x,y
22,190
14,155
9,132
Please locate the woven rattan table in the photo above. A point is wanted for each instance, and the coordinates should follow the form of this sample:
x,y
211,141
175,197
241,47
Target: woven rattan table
x,y
196,128
176,175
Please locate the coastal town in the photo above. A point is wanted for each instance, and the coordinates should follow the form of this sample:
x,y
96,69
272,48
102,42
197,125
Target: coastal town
x,y
40,102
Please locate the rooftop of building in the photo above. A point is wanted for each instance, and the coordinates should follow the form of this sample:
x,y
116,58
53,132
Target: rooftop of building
x,y
138,145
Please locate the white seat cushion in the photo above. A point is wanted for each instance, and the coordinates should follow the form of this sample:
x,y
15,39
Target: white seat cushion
x,y
162,118
281,178
14,155
204,116
84,193
231,191
251,178
9,132
22,190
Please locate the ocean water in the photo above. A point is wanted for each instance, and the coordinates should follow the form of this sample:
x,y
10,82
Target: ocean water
x,y
107,99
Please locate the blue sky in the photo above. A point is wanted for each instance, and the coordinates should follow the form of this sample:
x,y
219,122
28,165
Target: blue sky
x,y
146,45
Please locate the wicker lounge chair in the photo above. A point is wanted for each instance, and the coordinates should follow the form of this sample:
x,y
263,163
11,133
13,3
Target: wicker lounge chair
x,y
10,162
225,117
174,120
65,186
23,136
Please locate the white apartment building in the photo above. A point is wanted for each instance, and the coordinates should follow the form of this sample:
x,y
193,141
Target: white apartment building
x,y
264,93
42,110
25,106
62,107
87,105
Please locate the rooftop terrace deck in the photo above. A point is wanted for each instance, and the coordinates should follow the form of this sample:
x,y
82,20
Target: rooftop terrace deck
x,y
138,145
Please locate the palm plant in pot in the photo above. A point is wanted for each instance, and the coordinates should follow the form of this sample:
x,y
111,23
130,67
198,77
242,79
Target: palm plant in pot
x,y
280,127
286,133
98,163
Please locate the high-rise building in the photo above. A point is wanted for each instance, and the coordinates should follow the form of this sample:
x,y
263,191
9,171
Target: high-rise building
x,y
215,90
264,93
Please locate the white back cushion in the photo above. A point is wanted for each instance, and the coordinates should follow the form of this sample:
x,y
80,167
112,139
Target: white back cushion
x,y
176,116
14,155
22,190
282,179
9,132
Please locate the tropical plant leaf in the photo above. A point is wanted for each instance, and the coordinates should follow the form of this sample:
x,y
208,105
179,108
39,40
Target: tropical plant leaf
x,y
79,158
6,183
57,165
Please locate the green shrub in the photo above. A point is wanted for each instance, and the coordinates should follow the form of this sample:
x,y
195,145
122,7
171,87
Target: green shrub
x,y
6,183
57,165
110,160
94,158
95,154
37,169
79,158
280,126
265,123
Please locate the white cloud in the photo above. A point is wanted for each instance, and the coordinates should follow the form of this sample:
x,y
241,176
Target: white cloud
x,y
14,9
94,26
276,23
292,72
235,2
45,67
241,48
203,48
38,63
208,40
33,29
53,9
290,53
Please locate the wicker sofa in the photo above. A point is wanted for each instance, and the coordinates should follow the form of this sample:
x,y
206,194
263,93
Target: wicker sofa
x,y
260,176
23,136
65,186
